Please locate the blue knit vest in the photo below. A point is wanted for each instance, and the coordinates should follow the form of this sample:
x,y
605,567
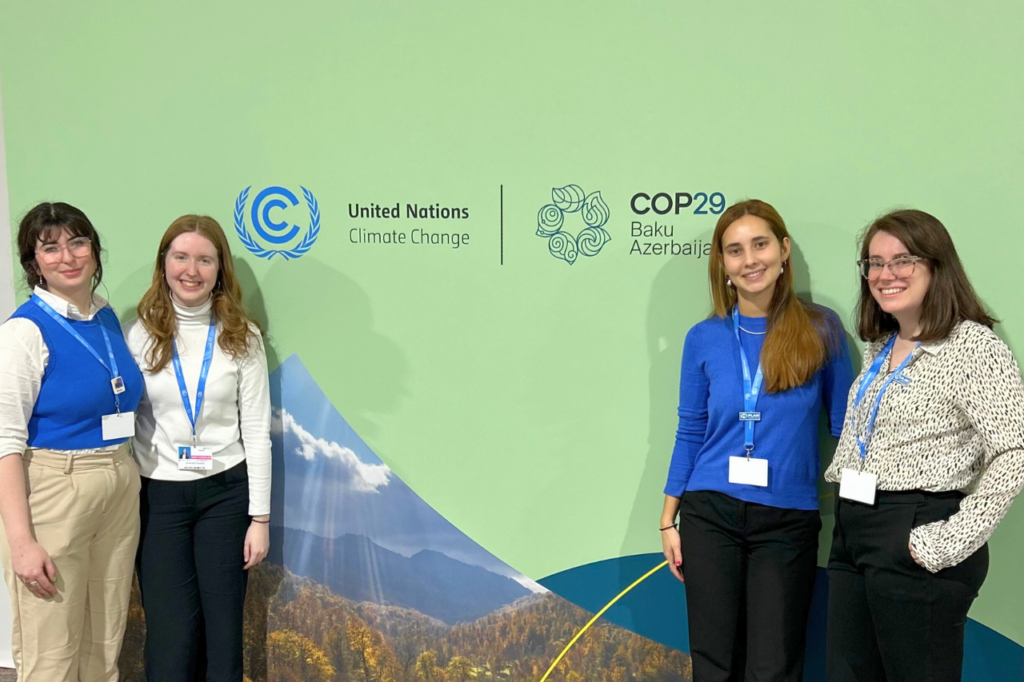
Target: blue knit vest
x,y
76,390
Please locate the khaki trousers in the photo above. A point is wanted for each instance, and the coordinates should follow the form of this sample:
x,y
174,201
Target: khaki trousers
x,y
84,511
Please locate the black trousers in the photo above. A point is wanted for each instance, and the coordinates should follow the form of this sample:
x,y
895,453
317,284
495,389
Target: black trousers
x,y
190,572
889,619
749,573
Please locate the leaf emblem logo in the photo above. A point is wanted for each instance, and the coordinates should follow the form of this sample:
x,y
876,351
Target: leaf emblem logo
x,y
551,219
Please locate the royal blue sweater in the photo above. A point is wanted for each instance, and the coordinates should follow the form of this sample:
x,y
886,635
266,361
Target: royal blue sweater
x,y
711,398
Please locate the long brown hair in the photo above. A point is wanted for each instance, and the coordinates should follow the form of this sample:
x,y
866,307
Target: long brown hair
x,y
156,310
949,299
800,336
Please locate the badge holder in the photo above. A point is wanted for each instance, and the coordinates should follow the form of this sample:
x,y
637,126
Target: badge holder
x,y
858,486
120,425
748,470
194,458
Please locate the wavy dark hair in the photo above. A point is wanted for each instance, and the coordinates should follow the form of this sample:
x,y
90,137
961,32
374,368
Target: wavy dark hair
x,y
950,298
801,336
156,310
44,223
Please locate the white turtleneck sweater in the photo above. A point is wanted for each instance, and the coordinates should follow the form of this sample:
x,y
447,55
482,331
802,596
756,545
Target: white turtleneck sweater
x,y
235,418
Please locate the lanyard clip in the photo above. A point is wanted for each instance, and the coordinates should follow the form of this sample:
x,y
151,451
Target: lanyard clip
x,y
750,449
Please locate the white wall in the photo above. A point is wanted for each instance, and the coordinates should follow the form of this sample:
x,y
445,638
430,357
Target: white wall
x,y
6,308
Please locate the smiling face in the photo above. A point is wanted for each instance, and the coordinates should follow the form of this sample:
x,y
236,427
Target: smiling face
x,y
66,263
752,257
902,297
191,268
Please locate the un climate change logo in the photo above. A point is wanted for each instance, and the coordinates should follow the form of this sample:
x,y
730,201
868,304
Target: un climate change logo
x,y
276,234
587,242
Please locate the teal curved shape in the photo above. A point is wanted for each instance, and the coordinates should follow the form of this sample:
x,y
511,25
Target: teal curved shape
x,y
656,609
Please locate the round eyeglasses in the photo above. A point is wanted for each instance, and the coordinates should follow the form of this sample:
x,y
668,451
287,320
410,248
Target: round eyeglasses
x,y
77,247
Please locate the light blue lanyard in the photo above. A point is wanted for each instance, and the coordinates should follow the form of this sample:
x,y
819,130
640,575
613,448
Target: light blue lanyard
x,y
204,371
750,390
116,382
865,382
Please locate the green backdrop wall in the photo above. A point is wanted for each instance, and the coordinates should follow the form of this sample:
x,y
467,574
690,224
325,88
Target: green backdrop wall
x,y
529,400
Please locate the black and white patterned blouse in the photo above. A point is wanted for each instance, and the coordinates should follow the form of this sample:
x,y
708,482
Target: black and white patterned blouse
x,y
957,425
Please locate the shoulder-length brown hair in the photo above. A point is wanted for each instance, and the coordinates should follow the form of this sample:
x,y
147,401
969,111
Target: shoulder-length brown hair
x,y
800,336
156,311
44,222
950,298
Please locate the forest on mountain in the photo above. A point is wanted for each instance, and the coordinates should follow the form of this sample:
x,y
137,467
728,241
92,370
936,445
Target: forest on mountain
x,y
297,630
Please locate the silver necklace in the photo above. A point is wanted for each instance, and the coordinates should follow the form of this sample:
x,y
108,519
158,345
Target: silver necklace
x,y
754,333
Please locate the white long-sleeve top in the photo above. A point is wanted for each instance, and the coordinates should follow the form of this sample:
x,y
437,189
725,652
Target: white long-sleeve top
x,y
23,360
235,418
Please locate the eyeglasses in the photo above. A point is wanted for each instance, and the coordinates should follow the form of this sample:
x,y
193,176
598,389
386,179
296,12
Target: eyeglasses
x,y
901,267
77,247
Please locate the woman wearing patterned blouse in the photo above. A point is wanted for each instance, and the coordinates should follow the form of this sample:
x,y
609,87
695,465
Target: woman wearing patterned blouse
x,y
929,461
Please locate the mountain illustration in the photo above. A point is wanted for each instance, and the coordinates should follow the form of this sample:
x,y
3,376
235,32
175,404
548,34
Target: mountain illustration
x,y
366,581
329,483
356,568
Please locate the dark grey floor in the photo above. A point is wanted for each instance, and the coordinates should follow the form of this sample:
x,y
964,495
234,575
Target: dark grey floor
x,y
7,675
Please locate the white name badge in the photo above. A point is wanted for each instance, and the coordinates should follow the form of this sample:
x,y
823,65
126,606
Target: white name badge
x,y
859,486
748,471
192,458
118,426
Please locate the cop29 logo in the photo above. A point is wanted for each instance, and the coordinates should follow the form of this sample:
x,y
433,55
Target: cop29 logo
x,y
276,235
562,243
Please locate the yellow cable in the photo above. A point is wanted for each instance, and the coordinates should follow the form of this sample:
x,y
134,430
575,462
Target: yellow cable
x,y
607,606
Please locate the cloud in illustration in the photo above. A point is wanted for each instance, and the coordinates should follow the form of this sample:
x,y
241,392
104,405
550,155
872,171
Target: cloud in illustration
x,y
330,483
343,464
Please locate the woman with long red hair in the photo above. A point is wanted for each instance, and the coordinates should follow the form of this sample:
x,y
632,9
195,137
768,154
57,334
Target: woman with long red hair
x,y
202,442
743,479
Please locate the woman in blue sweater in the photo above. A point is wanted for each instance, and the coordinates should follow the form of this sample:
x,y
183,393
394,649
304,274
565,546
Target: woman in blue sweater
x,y
743,478
69,490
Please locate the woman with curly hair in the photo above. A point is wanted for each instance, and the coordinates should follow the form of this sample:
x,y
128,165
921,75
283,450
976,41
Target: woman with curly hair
x,y
203,447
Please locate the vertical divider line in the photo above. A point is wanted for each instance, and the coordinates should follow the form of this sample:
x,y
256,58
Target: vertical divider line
x,y
501,211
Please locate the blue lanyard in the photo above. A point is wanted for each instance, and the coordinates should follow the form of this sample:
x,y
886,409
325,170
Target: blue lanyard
x,y
204,371
865,382
750,390
116,382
